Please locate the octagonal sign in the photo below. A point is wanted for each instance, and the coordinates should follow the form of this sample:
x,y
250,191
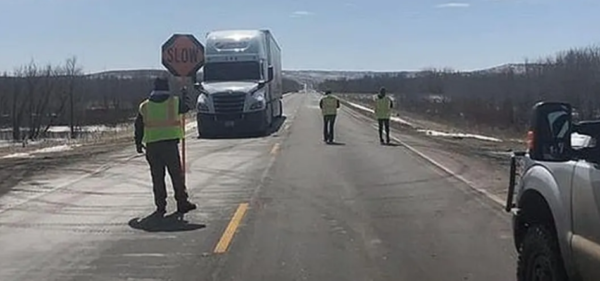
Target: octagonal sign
x,y
183,55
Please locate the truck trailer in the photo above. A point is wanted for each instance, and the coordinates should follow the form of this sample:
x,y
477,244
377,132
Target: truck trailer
x,y
241,90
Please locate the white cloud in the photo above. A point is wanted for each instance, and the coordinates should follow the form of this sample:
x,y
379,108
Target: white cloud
x,y
302,14
453,5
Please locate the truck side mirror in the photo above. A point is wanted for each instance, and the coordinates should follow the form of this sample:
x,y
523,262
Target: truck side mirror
x,y
270,74
549,138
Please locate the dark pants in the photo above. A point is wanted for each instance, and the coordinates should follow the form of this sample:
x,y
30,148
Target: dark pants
x,y
328,124
386,123
161,155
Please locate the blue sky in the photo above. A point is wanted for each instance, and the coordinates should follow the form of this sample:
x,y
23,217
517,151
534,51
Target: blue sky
x,y
377,35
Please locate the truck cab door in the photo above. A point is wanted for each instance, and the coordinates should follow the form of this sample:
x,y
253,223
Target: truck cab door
x,y
586,212
550,146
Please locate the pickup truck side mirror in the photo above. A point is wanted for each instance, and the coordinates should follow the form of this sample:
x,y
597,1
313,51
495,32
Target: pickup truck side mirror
x,y
549,138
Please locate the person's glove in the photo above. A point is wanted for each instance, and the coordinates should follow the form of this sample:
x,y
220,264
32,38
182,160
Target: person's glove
x,y
185,97
140,148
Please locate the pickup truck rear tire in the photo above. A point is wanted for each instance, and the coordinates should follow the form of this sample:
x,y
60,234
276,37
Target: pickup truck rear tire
x,y
539,256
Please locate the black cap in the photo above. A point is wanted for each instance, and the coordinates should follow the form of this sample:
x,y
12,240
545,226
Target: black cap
x,y
161,84
327,92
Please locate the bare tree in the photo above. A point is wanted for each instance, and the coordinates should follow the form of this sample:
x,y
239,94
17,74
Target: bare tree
x,y
499,98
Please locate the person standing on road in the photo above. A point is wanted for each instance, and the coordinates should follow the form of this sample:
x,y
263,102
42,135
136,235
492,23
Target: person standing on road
x,y
158,126
329,105
383,113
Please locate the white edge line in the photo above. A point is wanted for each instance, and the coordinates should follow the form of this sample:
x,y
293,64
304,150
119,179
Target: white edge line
x,y
447,170
470,184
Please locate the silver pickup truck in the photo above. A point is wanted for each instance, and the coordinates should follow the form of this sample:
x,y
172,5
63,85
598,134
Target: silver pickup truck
x,y
554,196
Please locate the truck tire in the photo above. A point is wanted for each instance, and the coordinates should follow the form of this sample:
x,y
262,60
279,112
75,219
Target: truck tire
x,y
539,256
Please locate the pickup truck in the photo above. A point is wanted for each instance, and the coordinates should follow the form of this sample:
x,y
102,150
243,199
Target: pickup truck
x,y
554,197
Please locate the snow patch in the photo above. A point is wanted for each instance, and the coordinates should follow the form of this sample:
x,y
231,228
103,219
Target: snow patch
x,y
51,149
58,148
190,126
18,155
430,132
458,135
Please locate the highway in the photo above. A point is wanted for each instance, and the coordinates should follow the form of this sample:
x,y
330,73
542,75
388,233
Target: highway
x,y
283,207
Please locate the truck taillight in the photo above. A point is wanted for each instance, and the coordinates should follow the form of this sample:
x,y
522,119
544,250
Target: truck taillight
x,y
530,137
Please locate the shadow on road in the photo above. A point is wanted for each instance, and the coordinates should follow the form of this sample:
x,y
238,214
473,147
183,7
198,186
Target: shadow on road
x,y
158,223
390,144
277,123
335,143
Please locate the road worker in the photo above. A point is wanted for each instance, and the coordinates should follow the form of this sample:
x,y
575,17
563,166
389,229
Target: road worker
x,y
383,112
329,105
158,130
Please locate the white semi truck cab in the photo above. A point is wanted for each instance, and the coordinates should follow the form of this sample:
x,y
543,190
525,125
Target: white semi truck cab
x,y
241,89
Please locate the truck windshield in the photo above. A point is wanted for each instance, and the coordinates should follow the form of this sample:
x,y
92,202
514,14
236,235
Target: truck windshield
x,y
232,71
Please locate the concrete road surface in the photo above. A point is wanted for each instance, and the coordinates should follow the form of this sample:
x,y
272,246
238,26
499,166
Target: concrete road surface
x,y
283,207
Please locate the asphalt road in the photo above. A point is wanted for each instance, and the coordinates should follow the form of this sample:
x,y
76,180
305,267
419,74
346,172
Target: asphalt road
x,y
283,207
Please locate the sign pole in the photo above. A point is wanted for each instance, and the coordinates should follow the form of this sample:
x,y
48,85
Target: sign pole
x,y
183,126
183,56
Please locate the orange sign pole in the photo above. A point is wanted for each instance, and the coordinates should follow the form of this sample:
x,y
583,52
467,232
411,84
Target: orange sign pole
x,y
183,56
183,126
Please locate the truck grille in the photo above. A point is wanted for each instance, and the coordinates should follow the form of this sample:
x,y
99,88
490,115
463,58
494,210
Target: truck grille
x,y
229,103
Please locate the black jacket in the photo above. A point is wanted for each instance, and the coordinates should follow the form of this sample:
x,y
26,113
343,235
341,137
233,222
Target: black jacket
x,y
158,96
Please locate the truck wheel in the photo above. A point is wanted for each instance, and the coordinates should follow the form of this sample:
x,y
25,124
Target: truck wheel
x,y
539,257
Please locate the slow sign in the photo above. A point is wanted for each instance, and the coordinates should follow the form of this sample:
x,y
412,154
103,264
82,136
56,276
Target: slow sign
x,y
183,55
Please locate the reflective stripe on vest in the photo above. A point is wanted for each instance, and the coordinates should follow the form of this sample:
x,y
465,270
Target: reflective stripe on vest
x,y
161,120
329,105
383,107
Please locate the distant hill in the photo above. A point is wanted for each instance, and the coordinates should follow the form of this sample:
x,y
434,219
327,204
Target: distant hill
x,y
303,76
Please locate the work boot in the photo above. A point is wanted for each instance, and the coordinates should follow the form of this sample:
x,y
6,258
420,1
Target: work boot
x,y
186,207
160,211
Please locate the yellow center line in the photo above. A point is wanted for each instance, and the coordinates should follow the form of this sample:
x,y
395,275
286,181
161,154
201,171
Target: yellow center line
x,y
231,228
275,149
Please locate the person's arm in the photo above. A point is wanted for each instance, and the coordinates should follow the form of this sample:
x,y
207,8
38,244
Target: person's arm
x,y
321,104
391,103
338,103
139,130
184,103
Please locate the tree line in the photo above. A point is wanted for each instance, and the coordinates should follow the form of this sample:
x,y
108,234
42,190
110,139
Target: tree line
x,y
34,97
500,98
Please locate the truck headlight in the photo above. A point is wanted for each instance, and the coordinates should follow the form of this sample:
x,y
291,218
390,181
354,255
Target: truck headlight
x,y
257,105
258,101
202,104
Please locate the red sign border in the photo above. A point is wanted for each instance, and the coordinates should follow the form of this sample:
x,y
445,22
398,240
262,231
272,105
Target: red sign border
x,y
169,43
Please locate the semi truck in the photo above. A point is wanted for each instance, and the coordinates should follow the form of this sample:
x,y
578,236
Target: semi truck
x,y
241,89
554,197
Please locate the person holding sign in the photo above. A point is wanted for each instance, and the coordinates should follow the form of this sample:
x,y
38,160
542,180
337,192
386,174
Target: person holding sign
x,y
158,129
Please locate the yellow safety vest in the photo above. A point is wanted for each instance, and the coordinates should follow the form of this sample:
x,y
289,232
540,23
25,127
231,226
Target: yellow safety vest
x,y
383,107
161,120
329,105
